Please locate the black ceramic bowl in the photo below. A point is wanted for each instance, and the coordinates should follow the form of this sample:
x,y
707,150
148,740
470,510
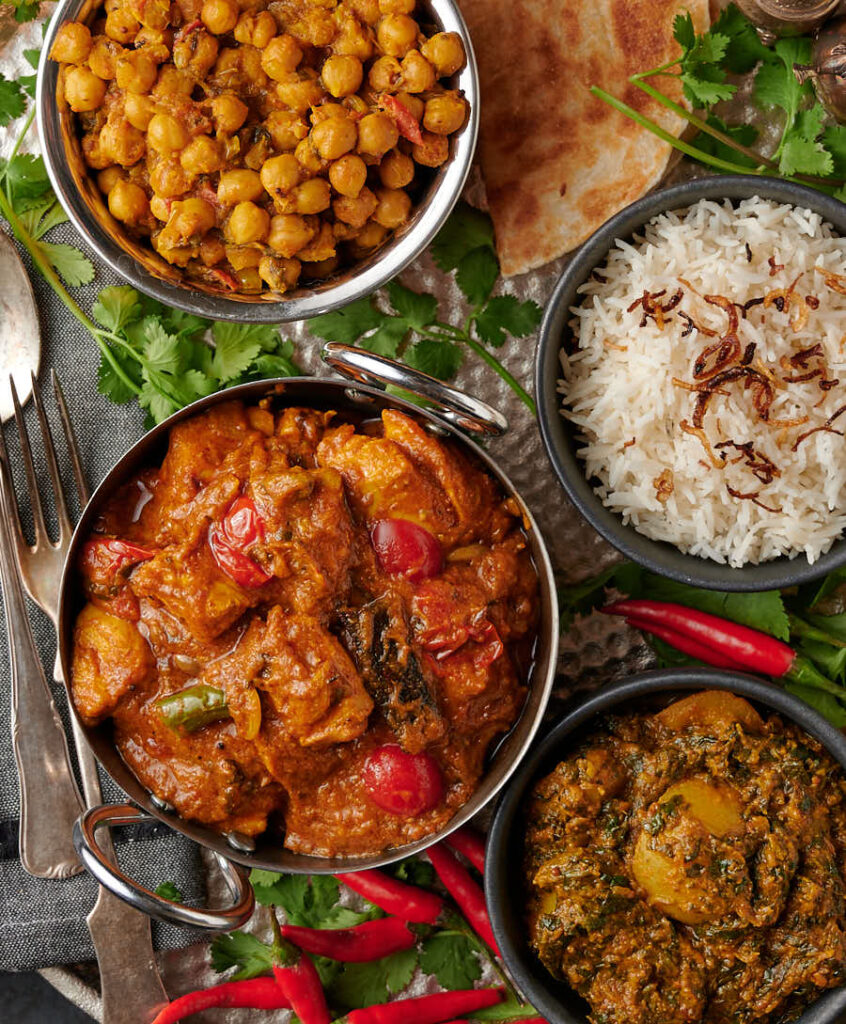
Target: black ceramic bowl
x,y
553,999
559,435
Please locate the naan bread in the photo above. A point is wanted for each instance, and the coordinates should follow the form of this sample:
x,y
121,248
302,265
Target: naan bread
x,y
558,162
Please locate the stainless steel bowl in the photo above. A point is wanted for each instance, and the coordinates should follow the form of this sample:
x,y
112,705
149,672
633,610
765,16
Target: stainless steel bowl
x,y
262,853
143,268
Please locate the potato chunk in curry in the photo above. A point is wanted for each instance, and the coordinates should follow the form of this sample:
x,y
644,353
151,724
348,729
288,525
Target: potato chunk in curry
x,y
691,866
256,647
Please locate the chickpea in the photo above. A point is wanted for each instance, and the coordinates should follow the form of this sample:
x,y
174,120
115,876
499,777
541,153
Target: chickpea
x,y
385,74
393,209
153,14
320,248
103,57
249,281
281,56
256,29
334,137
202,155
397,34
241,257
169,179
291,232
123,143
122,26
432,151
160,208
108,178
72,43
315,28
229,112
348,175
418,75
377,133
196,53
370,236
83,89
219,16
93,153
353,39
173,82
396,6
396,169
413,104
128,202
254,74
445,51
138,110
342,75
444,113
165,134
327,110
280,173
212,250
286,128
279,274
308,158
366,10
300,91
239,186
191,218
322,268
135,72
312,196
357,211
247,223
156,45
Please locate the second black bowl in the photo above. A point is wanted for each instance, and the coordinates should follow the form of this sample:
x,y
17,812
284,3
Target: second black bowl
x,y
553,999
559,435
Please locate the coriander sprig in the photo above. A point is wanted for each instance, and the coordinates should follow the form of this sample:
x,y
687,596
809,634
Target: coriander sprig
x,y
406,324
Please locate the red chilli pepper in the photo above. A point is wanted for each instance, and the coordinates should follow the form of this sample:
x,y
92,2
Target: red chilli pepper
x,y
693,648
300,984
408,902
407,124
255,994
435,1009
361,944
469,844
749,648
466,892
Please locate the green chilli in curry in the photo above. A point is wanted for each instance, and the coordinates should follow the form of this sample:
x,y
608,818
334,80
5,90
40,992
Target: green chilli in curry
x,y
689,866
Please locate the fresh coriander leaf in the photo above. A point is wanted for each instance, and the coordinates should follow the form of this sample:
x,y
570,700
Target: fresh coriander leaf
x,y
268,366
26,177
775,83
312,903
157,402
744,134
111,385
235,348
709,48
69,262
802,156
168,891
244,951
52,215
386,340
451,958
415,872
416,308
441,359
24,11
745,48
834,140
476,275
176,321
834,625
827,705
32,57
705,84
667,656
830,660
505,314
116,306
348,324
585,597
467,229
327,970
27,83
368,984
12,101
161,350
684,32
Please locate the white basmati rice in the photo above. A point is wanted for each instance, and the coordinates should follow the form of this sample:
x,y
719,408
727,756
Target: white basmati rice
x,y
618,383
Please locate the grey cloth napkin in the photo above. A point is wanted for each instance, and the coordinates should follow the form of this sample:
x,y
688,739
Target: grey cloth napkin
x,y
42,922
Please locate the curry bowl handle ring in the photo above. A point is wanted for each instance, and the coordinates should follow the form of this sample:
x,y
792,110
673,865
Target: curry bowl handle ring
x,y
111,877
455,406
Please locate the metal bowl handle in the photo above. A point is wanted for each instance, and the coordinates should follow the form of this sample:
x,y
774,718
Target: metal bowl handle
x,y
111,877
457,408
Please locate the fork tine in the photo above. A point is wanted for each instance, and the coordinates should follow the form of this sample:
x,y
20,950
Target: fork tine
x,y
52,462
8,508
41,535
70,437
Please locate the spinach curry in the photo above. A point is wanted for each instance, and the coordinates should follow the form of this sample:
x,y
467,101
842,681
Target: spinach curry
x,y
689,866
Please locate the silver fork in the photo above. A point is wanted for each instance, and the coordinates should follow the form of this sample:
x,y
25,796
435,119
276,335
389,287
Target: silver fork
x,y
129,979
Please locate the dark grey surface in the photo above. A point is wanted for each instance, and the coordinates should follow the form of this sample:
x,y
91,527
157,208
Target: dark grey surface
x,y
560,437
28,999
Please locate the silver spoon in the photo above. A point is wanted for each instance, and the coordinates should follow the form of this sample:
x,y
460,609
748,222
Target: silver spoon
x,y
20,334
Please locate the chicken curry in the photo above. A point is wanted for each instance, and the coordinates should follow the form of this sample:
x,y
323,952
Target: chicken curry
x,y
307,624
689,866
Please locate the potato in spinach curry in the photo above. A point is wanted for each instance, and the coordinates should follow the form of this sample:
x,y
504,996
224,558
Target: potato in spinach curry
x,y
689,866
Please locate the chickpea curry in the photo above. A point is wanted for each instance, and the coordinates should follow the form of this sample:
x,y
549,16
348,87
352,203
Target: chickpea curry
x,y
256,143
308,625
689,866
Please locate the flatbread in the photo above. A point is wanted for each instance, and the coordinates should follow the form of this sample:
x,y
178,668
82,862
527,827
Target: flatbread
x,y
558,162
